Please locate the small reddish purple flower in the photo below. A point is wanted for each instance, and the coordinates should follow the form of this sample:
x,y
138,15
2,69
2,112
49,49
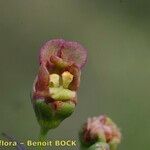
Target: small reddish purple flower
x,y
101,129
58,79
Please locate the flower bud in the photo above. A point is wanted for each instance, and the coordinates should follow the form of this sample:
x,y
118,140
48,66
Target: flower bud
x,y
54,94
100,129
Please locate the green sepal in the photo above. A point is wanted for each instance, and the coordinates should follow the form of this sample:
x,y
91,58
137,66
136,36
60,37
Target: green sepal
x,y
66,109
49,118
45,115
113,145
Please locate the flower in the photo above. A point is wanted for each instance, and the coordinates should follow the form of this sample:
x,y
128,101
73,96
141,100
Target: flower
x,y
101,129
54,94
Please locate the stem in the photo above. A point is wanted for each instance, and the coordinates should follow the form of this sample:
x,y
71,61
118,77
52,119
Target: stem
x,y
99,146
42,136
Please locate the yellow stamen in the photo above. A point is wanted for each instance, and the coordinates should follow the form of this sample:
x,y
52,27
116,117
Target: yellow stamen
x,y
60,91
62,94
67,78
54,80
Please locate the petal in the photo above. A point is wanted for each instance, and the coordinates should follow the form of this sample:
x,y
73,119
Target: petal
x,y
42,79
58,62
74,52
50,48
75,71
67,50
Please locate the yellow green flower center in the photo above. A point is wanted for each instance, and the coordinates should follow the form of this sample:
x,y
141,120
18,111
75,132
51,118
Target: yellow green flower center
x,y
58,86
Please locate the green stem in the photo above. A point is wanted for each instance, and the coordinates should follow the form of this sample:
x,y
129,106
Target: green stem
x,y
42,137
99,146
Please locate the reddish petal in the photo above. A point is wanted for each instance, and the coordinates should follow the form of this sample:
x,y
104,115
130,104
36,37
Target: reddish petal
x,y
75,71
71,52
50,48
42,79
40,95
74,52
58,62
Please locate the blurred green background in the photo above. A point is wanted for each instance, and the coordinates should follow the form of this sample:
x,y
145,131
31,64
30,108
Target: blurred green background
x,y
115,81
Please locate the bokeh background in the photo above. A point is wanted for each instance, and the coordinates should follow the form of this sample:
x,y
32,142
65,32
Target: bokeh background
x,y
115,81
